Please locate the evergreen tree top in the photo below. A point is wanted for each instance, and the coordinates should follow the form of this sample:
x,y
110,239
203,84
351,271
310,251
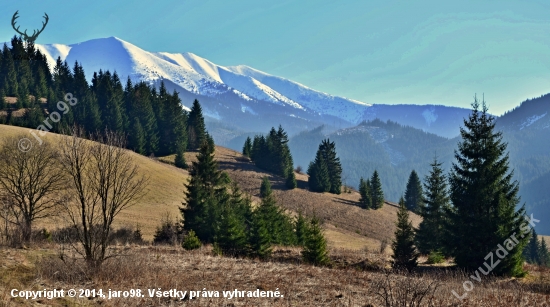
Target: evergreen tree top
x,y
265,188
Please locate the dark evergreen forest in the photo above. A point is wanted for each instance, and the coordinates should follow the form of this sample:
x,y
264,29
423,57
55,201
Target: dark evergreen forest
x,y
153,120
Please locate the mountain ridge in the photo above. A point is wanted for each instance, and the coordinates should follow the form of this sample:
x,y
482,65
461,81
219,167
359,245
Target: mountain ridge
x,y
248,90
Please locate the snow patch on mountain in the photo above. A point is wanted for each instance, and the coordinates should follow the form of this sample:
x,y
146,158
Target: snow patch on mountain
x,y
531,120
248,109
53,52
323,103
430,116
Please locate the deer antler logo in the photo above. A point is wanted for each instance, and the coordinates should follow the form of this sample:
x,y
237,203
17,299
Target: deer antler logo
x,y
35,33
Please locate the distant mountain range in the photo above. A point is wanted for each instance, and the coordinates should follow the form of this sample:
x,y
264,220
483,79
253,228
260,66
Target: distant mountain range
x,y
239,101
242,99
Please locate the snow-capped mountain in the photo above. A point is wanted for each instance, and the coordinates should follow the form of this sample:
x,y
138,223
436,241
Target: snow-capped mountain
x,y
243,96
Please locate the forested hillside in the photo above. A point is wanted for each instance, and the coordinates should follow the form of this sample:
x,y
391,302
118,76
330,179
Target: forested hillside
x,y
153,120
391,149
527,131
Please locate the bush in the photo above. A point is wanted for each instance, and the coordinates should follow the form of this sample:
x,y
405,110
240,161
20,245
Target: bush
x,y
167,233
435,257
191,241
126,235
216,250
67,234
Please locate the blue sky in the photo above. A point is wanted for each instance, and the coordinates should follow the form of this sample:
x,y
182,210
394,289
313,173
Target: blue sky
x,y
394,52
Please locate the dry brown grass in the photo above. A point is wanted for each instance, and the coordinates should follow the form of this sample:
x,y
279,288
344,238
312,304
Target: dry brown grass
x,y
347,284
164,192
347,225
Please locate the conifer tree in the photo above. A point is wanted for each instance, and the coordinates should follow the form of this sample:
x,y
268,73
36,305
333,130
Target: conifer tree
x,y
291,179
137,138
302,230
484,198
206,192
260,240
377,195
265,188
543,253
210,141
196,129
3,104
278,224
272,154
531,252
315,246
325,171
404,251
231,235
318,180
247,148
430,234
365,192
191,241
413,193
180,156
334,167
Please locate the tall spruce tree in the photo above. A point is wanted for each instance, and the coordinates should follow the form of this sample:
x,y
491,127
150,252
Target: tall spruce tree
x,y
137,138
543,253
430,234
404,252
531,251
196,129
377,194
413,193
180,155
319,180
247,148
334,166
206,192
365,192
484,198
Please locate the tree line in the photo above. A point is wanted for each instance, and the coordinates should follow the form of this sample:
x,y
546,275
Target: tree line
x,y
154,120
271,153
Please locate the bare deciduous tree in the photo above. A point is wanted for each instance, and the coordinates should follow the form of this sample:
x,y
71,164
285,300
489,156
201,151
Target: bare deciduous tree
x,y
30,183
104,180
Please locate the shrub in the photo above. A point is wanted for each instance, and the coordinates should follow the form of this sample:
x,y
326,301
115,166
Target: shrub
x,y
191,241
67,234
126,235
435,257
216,250
166,233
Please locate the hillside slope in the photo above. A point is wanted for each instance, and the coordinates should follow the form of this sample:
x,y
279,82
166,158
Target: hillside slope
x,y
164,193
346,225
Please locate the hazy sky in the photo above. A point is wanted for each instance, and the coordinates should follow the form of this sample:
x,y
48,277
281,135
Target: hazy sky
x,y
394,52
